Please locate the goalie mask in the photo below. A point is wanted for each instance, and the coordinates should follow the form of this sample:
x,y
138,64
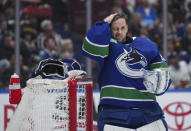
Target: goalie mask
x,y
52,69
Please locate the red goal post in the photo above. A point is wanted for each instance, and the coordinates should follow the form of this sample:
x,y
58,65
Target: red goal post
x,y
55,105
73,83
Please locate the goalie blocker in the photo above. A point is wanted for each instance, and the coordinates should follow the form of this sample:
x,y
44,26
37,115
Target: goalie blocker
x,y
157,81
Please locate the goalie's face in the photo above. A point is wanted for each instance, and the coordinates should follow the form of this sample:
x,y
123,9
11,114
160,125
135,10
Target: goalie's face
x,y
119,29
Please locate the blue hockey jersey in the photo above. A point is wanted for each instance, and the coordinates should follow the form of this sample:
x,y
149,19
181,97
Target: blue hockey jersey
x,y
121,67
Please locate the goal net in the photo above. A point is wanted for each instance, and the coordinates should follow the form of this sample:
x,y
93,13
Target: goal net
x,y
54,105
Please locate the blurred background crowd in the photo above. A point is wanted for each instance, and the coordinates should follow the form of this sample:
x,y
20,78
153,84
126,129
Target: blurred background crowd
x,y
56,29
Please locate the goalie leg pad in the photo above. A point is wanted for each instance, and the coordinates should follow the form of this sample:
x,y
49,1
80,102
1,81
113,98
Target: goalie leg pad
x,y
154,126
116,128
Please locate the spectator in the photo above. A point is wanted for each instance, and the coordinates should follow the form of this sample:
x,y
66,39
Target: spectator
x,y
170,46
28,20
157,36
60,11
117,7
154,3
10,17
186,55
67,49
135,24
1,6
171,28
182,80
48,31
149,15
187,7
186,40
3,27
7,46
50,49
130,4
189,68
4,4
29,34
188,13
176,7
6,53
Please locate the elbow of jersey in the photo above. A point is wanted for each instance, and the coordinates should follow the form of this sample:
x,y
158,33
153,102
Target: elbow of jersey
x,y
99,33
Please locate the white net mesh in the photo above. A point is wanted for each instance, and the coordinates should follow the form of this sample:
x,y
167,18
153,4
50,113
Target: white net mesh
x,y
45,107
81,105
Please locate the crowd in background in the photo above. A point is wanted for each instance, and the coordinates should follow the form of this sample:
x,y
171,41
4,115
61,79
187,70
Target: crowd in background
x,y
55,29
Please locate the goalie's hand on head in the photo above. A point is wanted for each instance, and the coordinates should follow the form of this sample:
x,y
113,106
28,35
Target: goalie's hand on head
x,y
110,18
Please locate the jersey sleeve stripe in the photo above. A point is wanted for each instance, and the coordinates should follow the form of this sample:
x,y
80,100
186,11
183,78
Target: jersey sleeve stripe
x,y
95,50
122,93
94,44
123,87
158,65
122,99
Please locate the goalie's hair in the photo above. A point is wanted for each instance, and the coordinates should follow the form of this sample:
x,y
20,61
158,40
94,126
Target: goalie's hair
x,y
119,16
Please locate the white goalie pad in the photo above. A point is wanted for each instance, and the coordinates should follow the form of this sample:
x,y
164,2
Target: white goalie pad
x,y
154,126
116,128
156,81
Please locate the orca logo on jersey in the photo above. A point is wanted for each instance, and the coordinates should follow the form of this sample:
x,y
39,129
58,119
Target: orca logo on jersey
x,y
131,63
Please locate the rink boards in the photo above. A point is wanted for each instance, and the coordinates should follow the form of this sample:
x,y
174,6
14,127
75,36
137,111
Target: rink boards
x,y
175,103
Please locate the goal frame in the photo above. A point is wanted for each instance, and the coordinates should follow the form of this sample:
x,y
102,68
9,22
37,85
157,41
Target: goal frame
x,y
73,83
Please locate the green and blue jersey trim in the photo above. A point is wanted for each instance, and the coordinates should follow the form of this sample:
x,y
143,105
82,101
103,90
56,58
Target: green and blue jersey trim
x,y
126,93
94,44
95,49
156,65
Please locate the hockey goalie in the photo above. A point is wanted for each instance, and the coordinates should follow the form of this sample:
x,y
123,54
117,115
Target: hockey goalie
x,y
46,103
